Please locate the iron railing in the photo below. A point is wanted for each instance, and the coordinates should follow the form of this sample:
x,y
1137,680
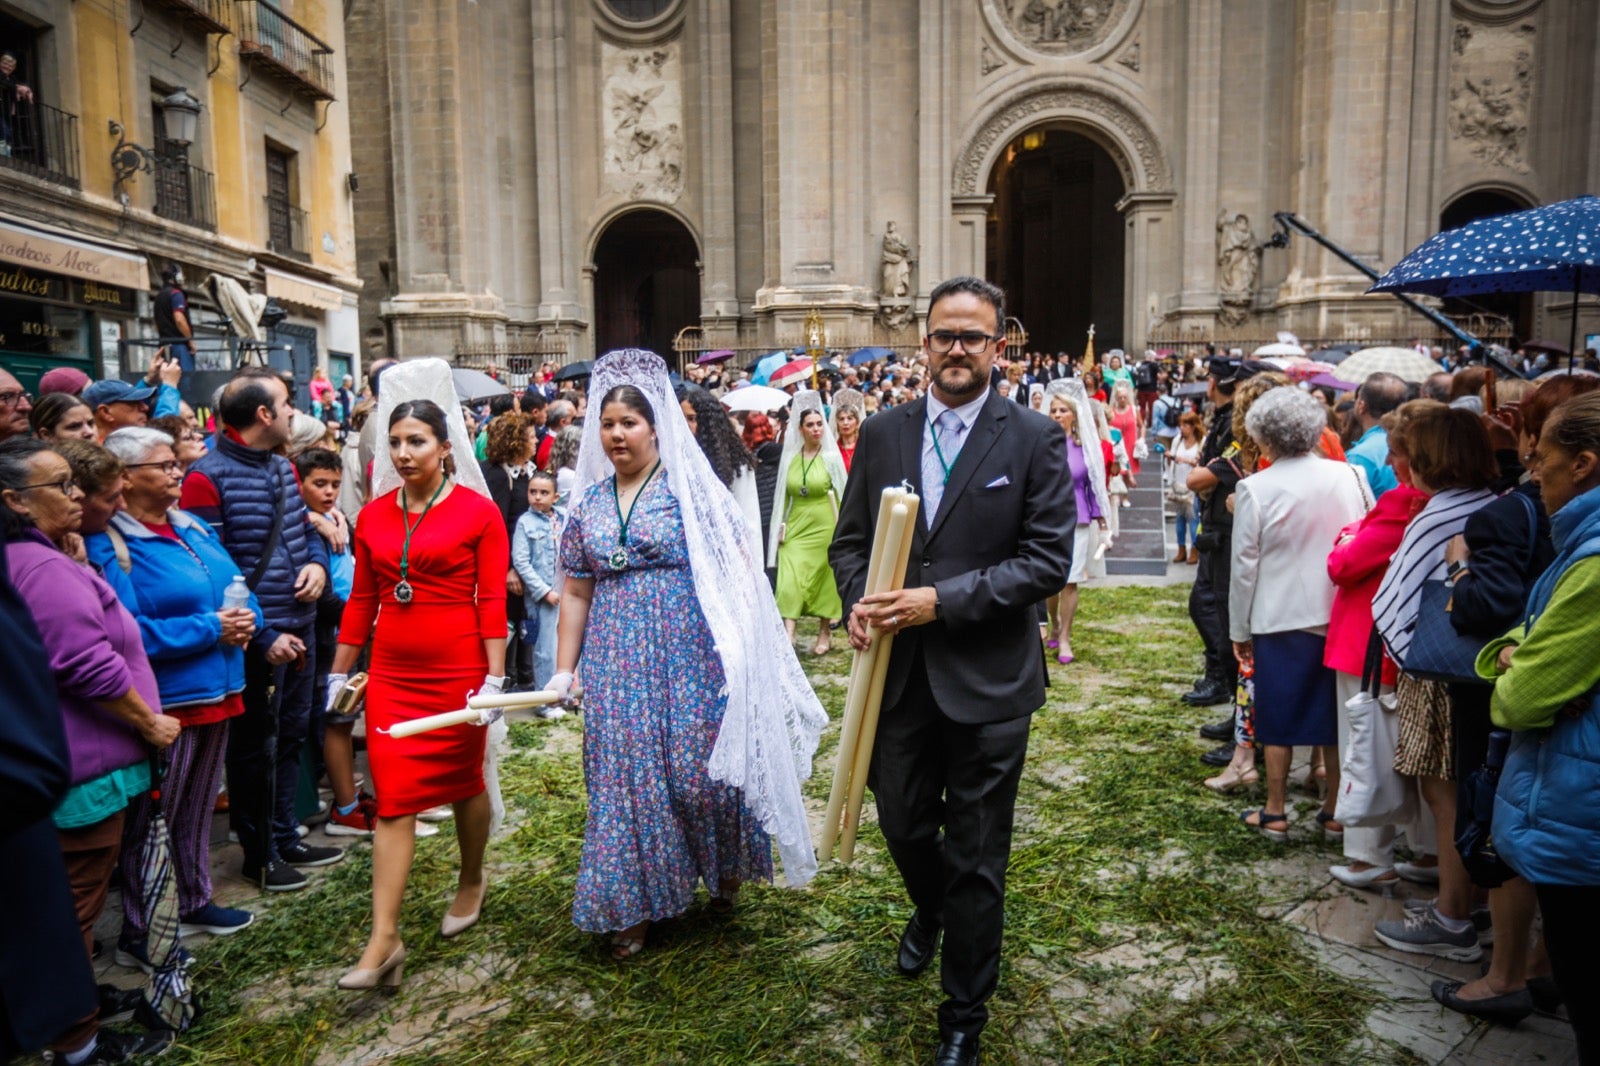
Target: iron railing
x,y
283,48
185,193
286,229
40,140
214,16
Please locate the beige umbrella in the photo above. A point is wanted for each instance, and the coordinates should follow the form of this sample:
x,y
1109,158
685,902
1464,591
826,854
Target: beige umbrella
x,y
1405,363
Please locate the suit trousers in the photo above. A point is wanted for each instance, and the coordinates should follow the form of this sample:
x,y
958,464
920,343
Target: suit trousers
x,y
261,789
946,793
1208,609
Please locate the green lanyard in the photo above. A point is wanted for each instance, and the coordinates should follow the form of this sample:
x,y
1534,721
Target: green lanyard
x,y
939,452
619,558
805,470
403,591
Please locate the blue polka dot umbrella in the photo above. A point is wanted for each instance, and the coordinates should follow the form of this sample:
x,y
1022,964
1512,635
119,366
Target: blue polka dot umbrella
x,y
1555,248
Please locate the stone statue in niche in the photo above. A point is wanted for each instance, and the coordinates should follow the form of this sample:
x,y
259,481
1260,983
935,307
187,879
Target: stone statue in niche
x,y
1491,83
1238,264
1062,25
643,121
895,272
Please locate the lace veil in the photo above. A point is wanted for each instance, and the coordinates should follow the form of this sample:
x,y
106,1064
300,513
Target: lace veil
x,y
1088,436
846,398
429,379
773,718
806,400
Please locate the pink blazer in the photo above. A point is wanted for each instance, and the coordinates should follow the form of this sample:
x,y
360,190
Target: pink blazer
x,y
1356,568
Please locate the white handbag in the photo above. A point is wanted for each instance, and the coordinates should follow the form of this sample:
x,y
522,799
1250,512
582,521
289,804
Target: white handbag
x,y
1371,794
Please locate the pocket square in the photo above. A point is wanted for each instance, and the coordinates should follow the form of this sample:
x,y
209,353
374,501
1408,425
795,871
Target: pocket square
x,y
999,483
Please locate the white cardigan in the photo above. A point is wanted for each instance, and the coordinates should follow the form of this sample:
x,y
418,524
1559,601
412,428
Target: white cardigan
x,y
1285,519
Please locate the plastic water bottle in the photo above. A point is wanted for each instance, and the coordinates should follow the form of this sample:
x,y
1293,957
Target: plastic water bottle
x,y
237,596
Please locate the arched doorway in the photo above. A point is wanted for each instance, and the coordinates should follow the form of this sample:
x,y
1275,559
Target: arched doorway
x,y
1514,307
646,282
1055,239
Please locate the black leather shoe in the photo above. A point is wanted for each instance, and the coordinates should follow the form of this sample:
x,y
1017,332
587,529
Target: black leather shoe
x,y
1207,693
1508,1009
917,945
957,1049
1221,755
1222,730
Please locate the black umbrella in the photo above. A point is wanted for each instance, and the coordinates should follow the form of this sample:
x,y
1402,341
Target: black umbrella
x,y
573,371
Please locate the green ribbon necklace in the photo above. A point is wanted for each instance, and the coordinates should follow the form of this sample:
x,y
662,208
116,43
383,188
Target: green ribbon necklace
x,y
805,470
403,592
619,557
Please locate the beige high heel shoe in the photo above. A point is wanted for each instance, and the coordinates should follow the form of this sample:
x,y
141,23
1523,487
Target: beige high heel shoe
x,y
388,973
451,925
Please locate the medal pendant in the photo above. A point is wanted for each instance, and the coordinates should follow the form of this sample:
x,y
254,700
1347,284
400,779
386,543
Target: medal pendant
x,y
403,592
804,491
619,559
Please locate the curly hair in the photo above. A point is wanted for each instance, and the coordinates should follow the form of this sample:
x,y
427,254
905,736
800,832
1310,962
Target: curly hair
x,y
506,440
93,467
758,430
1247,393
717,437
564,452
1287,421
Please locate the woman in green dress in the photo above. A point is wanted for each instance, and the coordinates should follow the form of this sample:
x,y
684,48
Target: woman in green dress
x,y
812,474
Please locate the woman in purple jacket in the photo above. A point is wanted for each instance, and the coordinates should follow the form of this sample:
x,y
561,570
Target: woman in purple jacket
x,y
107,693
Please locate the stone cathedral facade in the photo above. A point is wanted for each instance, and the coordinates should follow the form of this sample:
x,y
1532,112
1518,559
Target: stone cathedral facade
x,y
574,175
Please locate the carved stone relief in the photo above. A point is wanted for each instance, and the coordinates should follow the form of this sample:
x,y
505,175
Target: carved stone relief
x,y
642,102
1238,265
1062,26
1130,57
1147,172
894,280
1491,85
988,60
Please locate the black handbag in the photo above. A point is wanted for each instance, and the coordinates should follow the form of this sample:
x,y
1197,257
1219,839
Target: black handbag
x,y
1475,817
1439,653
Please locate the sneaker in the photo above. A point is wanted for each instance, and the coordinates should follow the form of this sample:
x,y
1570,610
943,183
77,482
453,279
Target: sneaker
x,y
302,831
1482,923
1422,934
358,823
218,921
550,712
423,830
277,877
117,1045
1422,875
134,955
442,813
118,1003
302,854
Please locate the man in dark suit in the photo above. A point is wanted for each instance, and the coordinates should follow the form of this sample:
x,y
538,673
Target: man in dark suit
x,y
967,671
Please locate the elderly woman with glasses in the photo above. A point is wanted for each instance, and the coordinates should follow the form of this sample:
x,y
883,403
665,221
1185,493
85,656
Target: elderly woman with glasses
x,y
171,571
107,693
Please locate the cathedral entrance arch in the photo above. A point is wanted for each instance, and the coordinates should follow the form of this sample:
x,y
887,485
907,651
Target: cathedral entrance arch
x,y
1515,307
1062,193
646,282
1055,240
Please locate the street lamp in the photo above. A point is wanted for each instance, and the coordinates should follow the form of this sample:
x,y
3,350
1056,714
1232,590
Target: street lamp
x,y
180,113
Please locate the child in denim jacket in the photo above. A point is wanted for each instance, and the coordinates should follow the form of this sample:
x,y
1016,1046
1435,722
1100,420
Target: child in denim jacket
x,y
533,554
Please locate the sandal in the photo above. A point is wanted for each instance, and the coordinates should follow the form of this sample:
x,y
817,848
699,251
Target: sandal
x,y
1326,820
1232,779
1264,820
626,943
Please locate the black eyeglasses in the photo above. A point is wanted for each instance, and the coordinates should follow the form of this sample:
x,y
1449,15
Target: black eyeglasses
x,y
64,486
972,342
13,397
171,466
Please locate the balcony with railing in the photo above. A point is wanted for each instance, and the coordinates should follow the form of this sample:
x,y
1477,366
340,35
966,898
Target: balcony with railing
x,y
281,48
185,193
210,16
286,229
42,141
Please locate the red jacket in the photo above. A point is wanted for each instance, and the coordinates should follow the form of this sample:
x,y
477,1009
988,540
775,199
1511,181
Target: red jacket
x,y
1356,567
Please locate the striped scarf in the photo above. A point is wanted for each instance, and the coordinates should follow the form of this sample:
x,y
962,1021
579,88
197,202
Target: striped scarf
x,y
1420,559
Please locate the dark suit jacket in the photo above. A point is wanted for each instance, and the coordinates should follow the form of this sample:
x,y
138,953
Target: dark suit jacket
x,y
1001,542
511,496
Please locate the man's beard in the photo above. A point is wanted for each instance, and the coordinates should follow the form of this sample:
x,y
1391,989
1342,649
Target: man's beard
x,y
968,391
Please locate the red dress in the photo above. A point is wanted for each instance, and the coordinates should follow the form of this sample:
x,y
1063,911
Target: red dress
x,y
427,655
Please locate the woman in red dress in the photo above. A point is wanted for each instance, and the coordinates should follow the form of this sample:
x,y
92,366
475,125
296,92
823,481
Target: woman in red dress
x,y
422,553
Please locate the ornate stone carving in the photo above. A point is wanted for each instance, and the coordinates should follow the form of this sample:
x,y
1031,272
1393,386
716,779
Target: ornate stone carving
x,y
642,98
1148,171
1491,83
1062,26
988,61
1130,58
1238,264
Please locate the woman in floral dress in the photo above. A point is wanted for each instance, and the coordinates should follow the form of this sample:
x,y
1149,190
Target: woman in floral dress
x,y
654,699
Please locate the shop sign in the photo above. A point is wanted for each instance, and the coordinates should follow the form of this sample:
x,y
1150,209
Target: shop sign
x,y
59,255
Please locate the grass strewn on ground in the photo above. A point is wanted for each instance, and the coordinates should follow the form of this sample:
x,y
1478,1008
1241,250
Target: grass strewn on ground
x,y
1135,929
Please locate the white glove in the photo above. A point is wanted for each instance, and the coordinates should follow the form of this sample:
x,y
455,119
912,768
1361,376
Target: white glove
x,y
492,685
560,684
335,684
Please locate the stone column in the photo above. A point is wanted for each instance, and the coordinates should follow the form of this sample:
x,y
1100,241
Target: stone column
x,y
1202,159
967,247
719,299
560,256
1147,263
